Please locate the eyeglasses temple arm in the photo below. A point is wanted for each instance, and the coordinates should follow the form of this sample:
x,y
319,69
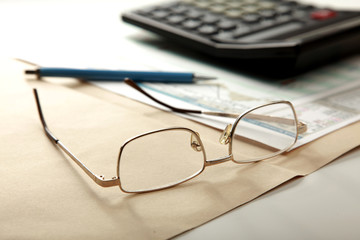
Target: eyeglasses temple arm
x,y
100,180
132,84
300,125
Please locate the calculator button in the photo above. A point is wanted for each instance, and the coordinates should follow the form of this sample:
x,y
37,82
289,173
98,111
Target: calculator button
x,y
293,3
283,18
220,1
235,4
175,19
300,13
250,1
218,8
226,25
160,14
178,9
202,4
267,13
250,8
207,30
266,5
283,9
241,30
194,14
210,19
323,14
267,22
251,18
191,24
223,37
234,13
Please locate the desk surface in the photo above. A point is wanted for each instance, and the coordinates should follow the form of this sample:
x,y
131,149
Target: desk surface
x,y
322,205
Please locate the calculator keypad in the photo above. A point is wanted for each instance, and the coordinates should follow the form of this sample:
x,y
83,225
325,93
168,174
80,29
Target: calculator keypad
x,y
230,20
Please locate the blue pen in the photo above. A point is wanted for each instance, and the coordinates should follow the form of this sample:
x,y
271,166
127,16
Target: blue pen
x,y
118,75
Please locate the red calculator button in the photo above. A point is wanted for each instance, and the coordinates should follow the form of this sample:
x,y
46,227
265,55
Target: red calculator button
x,y
323,14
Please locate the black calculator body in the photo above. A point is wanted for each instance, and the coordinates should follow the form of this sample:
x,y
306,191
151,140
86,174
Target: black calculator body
x,y
274,37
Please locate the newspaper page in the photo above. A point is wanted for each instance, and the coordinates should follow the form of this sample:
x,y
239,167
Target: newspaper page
x,y
325,99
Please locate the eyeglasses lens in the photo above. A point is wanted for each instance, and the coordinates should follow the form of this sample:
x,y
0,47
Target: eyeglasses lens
x,y
264,132
161,159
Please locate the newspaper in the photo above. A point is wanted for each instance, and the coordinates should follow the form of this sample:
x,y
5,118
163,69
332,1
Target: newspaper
x,y
325,99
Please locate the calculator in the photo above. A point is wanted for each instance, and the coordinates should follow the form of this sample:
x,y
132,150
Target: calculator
x,y
276,37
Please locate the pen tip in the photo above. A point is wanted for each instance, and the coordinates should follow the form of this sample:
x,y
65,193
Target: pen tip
x,y
35,72
30,71
202,77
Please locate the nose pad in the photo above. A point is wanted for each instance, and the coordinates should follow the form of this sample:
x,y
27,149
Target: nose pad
x,y
225,136
195,143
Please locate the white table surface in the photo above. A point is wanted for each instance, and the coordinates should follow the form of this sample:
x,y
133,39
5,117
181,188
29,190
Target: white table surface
x,y
322,205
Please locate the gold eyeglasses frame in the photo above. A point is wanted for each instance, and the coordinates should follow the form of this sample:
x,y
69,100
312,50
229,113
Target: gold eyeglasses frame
x,y
227,137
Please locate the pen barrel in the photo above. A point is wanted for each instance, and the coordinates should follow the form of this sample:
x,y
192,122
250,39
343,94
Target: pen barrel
x,y
114,75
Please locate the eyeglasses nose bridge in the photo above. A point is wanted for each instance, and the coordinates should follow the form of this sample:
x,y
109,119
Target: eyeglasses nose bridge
x,y
195,143
225,136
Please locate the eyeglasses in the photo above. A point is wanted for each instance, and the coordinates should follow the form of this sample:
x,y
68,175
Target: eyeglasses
x,y
167,157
